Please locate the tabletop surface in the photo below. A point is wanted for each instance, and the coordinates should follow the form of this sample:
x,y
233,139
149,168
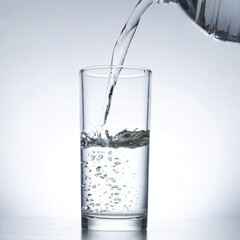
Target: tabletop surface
x,y
69,229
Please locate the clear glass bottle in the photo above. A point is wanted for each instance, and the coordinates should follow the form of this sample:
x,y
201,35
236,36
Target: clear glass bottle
x,y
220,18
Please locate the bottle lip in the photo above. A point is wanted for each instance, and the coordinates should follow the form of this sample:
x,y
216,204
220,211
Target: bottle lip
x,y
167,1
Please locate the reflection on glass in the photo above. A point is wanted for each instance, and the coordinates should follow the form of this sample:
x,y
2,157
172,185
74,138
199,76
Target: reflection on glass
x,y
114,235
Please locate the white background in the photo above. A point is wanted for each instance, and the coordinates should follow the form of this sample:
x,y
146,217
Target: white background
x,y
195,154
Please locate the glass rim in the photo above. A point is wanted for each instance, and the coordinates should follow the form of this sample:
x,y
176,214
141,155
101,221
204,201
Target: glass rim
x,y
85,69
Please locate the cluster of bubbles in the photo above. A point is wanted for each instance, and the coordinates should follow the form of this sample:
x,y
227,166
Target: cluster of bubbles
x,y
102,192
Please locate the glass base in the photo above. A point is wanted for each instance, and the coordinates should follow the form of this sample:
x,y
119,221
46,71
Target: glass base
x,y
114,224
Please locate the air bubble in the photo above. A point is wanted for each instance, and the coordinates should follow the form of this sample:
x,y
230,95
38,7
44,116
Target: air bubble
x,y
94,186
113,180
104,176
85,208
98,168
110,152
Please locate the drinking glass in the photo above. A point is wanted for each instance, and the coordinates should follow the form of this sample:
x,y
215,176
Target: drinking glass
x,y
114,154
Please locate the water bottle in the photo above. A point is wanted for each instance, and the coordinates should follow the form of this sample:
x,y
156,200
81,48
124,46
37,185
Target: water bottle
x,y
220,18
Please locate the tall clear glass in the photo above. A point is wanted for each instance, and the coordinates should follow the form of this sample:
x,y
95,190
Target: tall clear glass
x,y
115,156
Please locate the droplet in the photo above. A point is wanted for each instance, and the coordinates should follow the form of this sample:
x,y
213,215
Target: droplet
x,y
100,156
89,194
110,159
94,186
